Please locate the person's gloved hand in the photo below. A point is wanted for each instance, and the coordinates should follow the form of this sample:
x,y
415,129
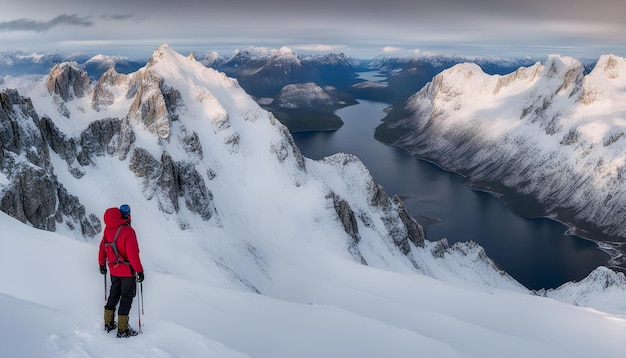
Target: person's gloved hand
x,y
140,276
103,269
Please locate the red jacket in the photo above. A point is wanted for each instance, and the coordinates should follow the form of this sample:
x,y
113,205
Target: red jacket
x,y
126,243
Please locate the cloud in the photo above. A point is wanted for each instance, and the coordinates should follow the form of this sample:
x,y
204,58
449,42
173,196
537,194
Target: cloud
x,y
388,49
320,48
43,26
120,17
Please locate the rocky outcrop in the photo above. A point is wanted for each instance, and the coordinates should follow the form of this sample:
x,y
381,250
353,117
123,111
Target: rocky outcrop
x,y
346,217
33,194
167,181
403,231
155,103
103,95
68,81
414,231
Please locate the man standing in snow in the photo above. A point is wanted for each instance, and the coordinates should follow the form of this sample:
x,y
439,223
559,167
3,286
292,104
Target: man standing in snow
x,y
120,248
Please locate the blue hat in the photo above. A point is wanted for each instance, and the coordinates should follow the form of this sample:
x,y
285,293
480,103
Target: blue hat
x,y
125,210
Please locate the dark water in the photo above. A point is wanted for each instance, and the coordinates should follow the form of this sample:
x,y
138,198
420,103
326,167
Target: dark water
x,y
536,252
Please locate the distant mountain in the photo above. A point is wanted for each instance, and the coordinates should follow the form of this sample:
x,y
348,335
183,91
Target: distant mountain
x,y
307,106
265,74
98,65
20,63
550,137
407,75
310,96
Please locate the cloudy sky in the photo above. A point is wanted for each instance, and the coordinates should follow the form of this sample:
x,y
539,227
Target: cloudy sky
x,y
360,28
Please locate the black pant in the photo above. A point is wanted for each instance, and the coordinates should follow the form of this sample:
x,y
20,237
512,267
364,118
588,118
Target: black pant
x,y
123,289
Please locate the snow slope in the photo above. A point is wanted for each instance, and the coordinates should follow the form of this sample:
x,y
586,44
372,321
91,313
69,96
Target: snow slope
x,y
272,254
319,304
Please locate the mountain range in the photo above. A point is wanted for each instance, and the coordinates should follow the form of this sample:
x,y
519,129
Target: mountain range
x,y
266,75
549,137
250,248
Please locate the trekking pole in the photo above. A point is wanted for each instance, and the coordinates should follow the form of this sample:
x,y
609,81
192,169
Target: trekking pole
x,y
140,303
141,292
105,288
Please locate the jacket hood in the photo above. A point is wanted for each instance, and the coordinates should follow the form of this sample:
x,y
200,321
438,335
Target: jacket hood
x,y
113,218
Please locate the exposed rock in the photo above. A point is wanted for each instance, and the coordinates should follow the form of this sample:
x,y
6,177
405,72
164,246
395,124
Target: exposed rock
x,y
106,136
286,147
102,95
198,198
346,217
155,103
58,142
414,231
18,128
31,198
70,206
34,194
68,81
168,181
191,143
439,248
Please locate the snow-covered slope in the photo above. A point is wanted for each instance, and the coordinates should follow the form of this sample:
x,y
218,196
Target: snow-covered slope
x,y
250,249
318,304
548,131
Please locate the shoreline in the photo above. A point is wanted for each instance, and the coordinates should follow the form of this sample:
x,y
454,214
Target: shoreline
x,y
610,247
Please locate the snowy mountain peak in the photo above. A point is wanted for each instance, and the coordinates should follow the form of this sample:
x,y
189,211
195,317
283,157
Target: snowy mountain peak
x,y
68,81
163,52
106,60
285,55
612,66
286,52
526,129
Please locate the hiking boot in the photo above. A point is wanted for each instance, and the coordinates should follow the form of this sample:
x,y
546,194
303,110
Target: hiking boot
x,y
109,326
123,328
128,332
109,320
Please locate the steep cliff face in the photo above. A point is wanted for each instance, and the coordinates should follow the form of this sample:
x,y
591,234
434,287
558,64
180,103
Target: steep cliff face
x,y
30,191
548,132
68,81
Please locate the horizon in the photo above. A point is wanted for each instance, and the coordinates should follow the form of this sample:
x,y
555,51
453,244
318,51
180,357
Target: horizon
x,y
260,50
362,30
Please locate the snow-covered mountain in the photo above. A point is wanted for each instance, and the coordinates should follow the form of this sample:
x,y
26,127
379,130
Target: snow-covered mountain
x,y
250,249
264,74
407,75
310,96
549,132
21,63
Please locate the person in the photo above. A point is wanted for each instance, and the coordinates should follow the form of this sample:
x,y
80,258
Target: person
x,y
120,249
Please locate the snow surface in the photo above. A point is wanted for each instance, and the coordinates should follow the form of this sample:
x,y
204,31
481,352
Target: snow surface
x,y
272,273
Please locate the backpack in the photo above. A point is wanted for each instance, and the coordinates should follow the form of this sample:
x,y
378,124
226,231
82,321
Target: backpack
x,y
113,245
